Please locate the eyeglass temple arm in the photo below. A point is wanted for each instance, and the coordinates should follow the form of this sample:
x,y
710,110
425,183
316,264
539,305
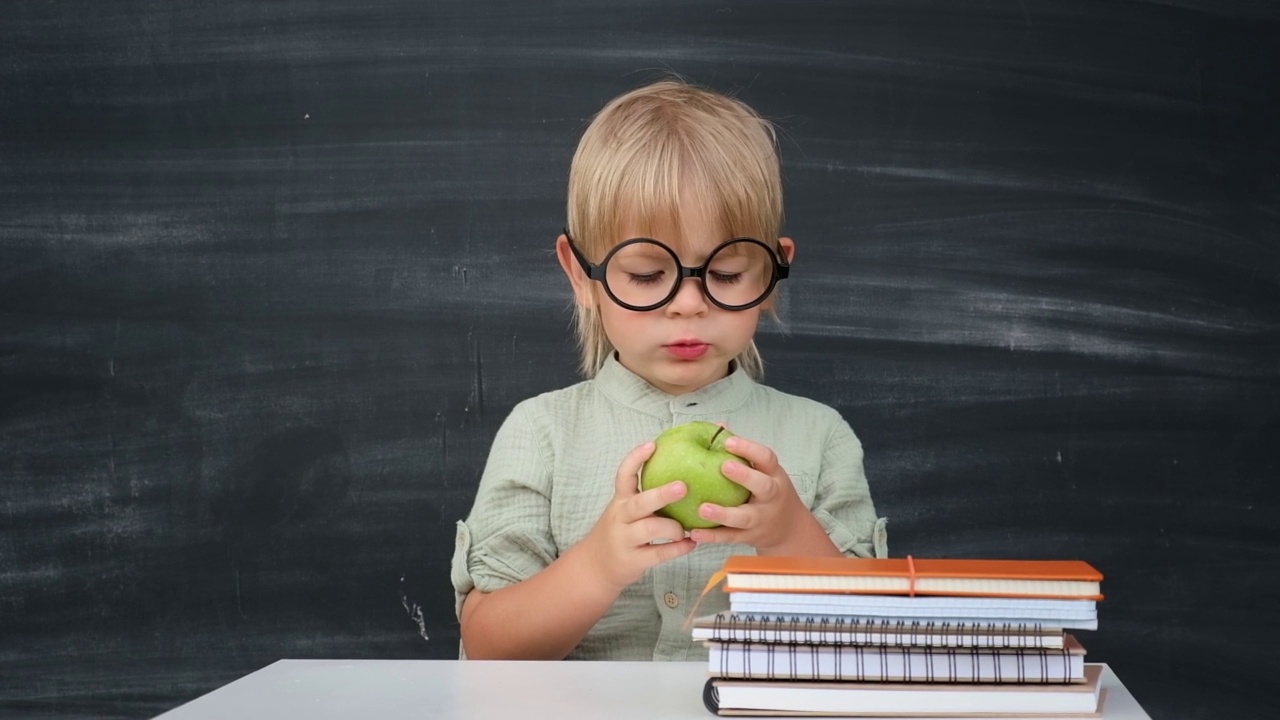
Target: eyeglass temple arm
x,y
594,272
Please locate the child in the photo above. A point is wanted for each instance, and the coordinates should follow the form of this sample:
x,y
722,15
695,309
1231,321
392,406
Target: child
x,y
561,556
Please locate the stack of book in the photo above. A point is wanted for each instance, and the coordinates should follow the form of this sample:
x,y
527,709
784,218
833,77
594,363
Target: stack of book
x,y
902,637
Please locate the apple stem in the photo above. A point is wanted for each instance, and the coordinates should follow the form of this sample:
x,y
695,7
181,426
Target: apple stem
x,y
713,437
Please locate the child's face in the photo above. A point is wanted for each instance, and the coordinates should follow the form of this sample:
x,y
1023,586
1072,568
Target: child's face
x,y
689,342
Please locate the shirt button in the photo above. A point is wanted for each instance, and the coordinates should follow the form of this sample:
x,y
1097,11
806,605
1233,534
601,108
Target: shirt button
x,y
671,600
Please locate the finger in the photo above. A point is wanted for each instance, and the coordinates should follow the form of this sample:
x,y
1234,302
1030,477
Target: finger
x,y
742,517
648,502
657,529
658,554
762,473
716,535
627,481
760,484
760,456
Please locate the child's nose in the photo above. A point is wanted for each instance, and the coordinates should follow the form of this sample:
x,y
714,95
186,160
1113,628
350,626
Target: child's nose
x,y
689,299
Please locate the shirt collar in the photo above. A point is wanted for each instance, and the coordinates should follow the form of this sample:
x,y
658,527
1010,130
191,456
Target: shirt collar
x,y
627,388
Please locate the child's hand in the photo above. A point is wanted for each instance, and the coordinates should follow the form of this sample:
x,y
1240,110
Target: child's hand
x,y
619,548
775,521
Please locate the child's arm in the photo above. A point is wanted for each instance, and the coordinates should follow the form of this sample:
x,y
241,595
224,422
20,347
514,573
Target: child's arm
x,y
775,521
546,615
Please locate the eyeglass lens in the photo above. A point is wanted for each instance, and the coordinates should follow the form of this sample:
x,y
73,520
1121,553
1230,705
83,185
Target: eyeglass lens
x,y
645,273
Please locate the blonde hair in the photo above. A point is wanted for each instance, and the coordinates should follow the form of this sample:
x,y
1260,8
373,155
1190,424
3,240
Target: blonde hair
x,y
648,149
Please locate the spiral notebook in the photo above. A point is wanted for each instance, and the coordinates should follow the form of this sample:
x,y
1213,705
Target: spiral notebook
x,y
1074,614
839,630
855,699
877,663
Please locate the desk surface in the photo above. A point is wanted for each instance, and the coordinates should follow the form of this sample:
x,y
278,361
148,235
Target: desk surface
x,y
471,690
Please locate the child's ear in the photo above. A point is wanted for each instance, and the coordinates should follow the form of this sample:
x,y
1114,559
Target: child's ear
x,y
582,291
788,248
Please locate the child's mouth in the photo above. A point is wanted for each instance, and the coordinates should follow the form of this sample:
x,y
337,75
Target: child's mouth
x,y
687,350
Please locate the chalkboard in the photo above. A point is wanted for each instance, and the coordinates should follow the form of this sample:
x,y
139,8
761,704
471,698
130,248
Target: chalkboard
x,y
272,274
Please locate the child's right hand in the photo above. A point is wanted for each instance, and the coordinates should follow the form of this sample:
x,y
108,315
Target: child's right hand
x,y
618,547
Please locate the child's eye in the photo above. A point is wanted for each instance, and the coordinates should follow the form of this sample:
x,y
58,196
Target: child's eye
x,y
645,279
723,278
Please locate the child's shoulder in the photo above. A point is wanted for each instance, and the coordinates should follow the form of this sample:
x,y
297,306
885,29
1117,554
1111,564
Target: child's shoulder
x,y
781,401
793,418
554,403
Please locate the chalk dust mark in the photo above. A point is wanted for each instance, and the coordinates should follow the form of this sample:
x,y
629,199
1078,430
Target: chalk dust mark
x,y
115,346
414,611
444,441
477,380
111,368
111,459
235,569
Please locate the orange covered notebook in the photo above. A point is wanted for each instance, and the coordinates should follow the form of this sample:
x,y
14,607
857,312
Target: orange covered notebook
x,y
1068,579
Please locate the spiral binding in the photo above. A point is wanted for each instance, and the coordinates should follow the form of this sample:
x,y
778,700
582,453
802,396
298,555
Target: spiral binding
x,y
839,630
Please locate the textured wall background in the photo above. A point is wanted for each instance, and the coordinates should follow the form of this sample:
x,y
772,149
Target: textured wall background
x,y
271,274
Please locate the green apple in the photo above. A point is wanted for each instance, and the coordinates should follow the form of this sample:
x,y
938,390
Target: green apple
x,y
694,453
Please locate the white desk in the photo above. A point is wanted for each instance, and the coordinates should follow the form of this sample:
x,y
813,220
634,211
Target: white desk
x,y
488,690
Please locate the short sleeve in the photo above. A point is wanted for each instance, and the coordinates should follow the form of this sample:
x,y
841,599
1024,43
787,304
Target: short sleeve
x,y
507,536
842,504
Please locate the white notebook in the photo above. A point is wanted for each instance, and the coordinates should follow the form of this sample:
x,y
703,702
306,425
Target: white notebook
x,y
752,697
843,630
874,663
1014,609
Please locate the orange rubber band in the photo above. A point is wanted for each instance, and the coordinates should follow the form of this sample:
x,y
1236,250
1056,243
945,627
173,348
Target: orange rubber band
x,y
717,577
911,576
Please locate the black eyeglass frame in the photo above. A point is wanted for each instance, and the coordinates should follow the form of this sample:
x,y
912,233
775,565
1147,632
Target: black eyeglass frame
x,y
781,270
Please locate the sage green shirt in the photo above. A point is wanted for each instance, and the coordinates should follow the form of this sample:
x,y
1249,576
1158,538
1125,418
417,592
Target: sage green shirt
x,y
551,472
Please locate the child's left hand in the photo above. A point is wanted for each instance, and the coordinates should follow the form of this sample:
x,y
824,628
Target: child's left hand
x,y
775,521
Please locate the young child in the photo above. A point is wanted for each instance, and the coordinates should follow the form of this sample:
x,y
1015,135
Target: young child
x,y
673,250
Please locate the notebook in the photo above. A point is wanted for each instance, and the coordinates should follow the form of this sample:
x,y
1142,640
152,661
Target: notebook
x,y
1080,614
835,630
912,576
879,663
855,699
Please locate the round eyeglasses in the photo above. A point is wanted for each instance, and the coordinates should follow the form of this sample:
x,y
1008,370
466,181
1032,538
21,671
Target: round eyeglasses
x,y
642,274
